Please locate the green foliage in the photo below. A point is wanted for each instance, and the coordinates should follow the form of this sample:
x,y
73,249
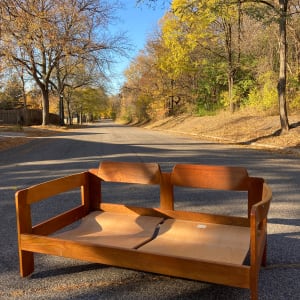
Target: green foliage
x,y
91,102
11,97
211,84
245,82
141,108
207,109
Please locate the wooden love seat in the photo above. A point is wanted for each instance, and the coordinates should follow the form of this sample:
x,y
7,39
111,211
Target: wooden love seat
x,y
186,244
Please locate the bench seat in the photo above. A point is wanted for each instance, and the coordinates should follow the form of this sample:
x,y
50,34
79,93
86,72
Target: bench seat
x,y
198,240
113,229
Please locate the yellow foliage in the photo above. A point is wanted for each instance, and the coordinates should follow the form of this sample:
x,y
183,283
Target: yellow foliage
x,y
264,97
188,25
182,32
295,102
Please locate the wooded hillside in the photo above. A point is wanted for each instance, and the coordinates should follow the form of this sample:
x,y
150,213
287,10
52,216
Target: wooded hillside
x,y
218,55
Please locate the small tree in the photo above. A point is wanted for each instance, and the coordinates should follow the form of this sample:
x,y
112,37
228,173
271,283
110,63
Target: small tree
x,y
12,94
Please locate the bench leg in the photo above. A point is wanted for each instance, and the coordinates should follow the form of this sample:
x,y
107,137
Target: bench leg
x,y
254,291
26,263
264,256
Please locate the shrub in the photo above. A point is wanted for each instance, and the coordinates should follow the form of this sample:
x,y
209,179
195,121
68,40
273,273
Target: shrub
x,y
265,96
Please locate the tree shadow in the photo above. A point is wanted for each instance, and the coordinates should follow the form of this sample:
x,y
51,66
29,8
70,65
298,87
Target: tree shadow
x,y
295,125
255,140
277,132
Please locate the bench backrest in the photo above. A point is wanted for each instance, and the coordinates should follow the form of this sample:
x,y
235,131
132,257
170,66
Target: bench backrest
x,y
184,175
210,177
130,172
218,178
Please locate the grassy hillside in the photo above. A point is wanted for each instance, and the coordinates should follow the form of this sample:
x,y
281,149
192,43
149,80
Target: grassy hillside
x,y
242,127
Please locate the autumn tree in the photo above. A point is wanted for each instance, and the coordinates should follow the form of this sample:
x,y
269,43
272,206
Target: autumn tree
x,y
211,27
31,39
144,92
84,63
73,73
39,35
134,91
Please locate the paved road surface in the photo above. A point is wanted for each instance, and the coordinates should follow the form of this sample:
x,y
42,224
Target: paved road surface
x,y
81,149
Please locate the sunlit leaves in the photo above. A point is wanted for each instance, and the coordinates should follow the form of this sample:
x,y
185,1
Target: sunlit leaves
x,y
182,31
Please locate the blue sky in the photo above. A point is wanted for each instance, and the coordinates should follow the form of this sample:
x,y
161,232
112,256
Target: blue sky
x,y
139,22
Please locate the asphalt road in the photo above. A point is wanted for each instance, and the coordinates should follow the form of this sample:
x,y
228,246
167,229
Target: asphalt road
x,y
78,150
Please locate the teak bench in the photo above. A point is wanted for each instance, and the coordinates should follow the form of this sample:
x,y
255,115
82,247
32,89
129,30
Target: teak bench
x,y
162,240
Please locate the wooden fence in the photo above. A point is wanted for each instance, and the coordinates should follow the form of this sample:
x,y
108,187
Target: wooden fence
x,y
25,117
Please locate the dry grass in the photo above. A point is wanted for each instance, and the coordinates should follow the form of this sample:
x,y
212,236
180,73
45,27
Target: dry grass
x,y
12,136
239,128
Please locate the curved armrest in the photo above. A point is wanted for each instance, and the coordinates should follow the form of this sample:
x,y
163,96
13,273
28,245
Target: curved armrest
x,y
259,211
258,229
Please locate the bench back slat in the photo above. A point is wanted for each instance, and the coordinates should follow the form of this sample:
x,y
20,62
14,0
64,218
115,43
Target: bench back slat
x,y
210,177
130,172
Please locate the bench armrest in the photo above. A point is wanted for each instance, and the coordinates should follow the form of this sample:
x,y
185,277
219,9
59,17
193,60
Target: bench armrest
x,y
258,225
26,197
259,211
48,189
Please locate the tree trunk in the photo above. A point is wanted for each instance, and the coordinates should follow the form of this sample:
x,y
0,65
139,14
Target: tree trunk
x,y
230,68
281,87
230,91
45,102
69,113
60,90
24,99
61,110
